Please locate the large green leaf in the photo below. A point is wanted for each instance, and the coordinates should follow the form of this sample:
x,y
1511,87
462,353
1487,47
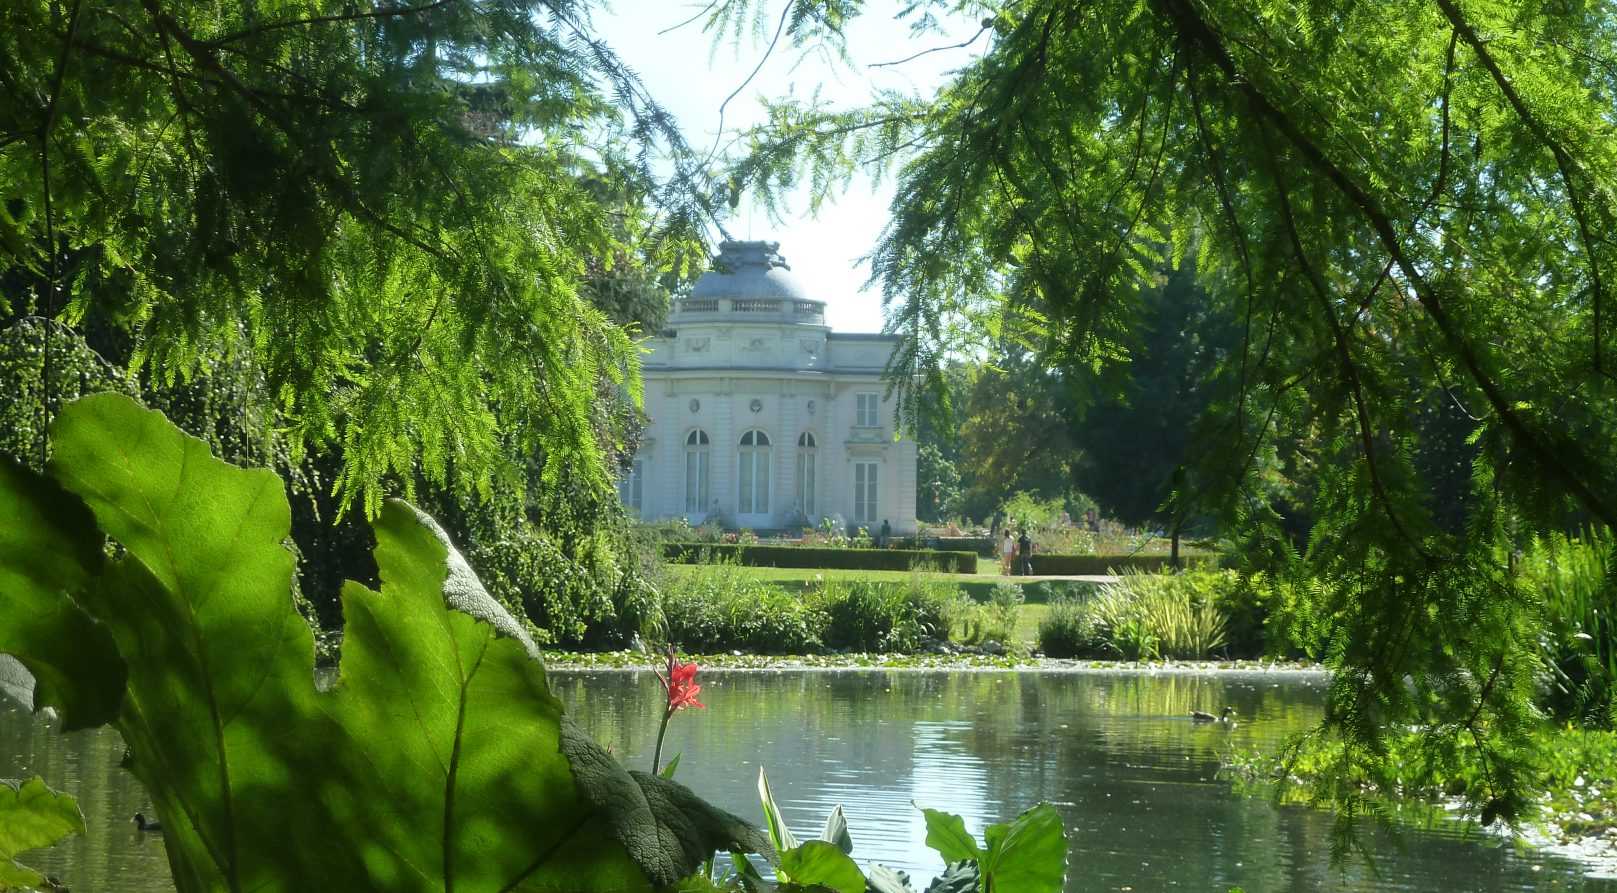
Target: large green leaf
x,y
32,816
434,763
819,863
1028,855
946,833
53,551
667,829
779,835
959,877
886,880
836,830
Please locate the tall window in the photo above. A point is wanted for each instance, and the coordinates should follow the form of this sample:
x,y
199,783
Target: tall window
x,y
696,460
631,487
805,474
754,473
864,493
869,411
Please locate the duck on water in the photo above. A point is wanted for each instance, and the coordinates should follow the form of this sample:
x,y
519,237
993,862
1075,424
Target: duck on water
x,y
1223,716
146,824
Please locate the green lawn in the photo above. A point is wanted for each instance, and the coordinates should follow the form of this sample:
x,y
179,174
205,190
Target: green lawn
x,y
1027,623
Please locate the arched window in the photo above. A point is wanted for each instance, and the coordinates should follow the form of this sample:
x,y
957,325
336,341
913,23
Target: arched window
x,y
805,474
696,477
754,473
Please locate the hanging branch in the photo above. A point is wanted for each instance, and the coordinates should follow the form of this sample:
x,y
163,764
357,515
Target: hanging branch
x,y
52,260
1565,164
1210,42
1344,353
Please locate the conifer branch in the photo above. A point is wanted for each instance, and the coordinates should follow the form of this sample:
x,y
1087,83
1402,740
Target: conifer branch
x,y
394,12
1203,35
1565,164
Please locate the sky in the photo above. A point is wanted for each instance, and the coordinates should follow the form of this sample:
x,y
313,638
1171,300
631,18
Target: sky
x,y
690,78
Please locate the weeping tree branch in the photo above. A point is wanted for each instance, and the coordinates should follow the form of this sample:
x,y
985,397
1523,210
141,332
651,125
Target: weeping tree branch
x,y
1344,353
1207,39
53,260
1565,164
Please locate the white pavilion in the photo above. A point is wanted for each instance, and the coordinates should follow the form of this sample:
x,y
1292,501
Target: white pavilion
x,y
764,418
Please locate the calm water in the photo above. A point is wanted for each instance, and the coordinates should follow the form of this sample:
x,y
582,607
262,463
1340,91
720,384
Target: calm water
x,y
1137,783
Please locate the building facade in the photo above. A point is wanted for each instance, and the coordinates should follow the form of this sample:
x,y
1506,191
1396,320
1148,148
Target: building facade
x,y
761,416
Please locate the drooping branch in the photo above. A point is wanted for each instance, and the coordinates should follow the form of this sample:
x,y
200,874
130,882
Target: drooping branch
x,y
1565,164
1206,38
392,12
1344,353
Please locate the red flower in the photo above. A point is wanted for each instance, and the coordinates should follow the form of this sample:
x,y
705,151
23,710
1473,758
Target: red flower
x,y
682,687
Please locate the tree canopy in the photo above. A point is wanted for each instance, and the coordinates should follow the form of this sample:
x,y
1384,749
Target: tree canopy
x,y
1392,200
402,217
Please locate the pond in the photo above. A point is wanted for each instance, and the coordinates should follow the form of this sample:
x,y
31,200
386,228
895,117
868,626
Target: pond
x,y
1136,781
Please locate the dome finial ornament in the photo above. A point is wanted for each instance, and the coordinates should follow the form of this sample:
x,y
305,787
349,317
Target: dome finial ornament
x,y
750,269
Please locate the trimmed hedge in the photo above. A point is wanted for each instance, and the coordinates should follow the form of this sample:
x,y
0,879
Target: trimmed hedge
x,y
828,558
982,545
1076,565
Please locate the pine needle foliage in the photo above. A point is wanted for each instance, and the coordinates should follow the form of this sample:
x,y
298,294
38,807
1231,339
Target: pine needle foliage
x,y
394,209
1396,201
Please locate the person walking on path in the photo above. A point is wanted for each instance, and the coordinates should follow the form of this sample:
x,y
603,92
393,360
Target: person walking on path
x,y
1024,553
1007,553
886,533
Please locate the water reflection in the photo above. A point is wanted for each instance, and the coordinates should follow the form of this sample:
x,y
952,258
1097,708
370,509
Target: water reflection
x,y
1135,780
112,855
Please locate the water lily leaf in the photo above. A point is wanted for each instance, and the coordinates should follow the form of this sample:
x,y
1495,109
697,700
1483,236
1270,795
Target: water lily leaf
x,y
946,833
779,835
668,830
32,816
882,879
836,830
433,764
1028,854
818,863
53,552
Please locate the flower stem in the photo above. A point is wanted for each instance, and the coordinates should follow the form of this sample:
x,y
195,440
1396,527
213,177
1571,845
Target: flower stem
x,y
657,755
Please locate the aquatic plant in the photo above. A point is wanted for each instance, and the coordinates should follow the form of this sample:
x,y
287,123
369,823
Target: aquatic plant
x,y
32,816
1144,616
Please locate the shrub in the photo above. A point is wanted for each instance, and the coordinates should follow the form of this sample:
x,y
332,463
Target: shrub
x,y
859,615
994,621
887,617
822,557
718,609
1144,616
773,621
559,598
1574,582
1068,630
1026,509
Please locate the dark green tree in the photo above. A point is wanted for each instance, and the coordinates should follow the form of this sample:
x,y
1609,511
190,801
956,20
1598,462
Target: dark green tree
x,y
1139,437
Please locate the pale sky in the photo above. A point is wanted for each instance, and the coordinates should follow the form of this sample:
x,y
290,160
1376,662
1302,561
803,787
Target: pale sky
x,y
823,251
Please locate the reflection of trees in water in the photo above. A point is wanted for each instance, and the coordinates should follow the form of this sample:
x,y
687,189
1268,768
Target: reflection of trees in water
x,y
1117,754
111,857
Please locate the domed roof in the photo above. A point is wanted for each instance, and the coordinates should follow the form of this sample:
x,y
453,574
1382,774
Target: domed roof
x,y
749,270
